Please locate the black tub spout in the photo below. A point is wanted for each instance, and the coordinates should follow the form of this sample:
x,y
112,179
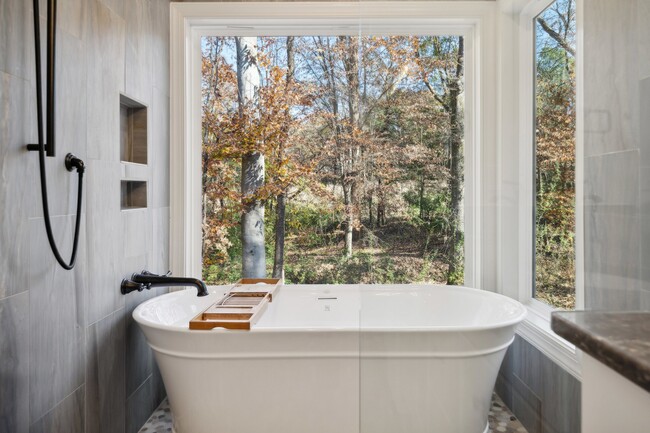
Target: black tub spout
x,y
147,280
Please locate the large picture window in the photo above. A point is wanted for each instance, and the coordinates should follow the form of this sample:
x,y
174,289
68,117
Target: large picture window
x,y
387,188
555,155
333,159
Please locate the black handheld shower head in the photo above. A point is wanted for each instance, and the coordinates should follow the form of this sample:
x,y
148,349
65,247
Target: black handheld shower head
x,y
46,139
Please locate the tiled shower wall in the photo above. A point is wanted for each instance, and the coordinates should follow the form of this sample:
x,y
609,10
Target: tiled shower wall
x,y
617,154
71,358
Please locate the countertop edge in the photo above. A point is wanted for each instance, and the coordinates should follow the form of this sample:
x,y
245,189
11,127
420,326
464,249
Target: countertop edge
x,y
601,349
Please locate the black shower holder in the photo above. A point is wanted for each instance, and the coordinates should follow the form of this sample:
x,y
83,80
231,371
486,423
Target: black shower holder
x,y
71,161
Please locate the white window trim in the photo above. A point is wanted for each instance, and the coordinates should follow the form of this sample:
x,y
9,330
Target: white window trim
x,y
189,21
536,328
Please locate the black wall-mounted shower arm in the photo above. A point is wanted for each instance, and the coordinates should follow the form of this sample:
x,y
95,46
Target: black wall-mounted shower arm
x,y
71,161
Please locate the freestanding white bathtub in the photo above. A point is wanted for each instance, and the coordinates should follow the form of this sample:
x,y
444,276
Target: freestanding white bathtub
x,y
335,359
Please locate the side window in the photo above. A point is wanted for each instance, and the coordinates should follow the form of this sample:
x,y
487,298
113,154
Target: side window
x,y
554,154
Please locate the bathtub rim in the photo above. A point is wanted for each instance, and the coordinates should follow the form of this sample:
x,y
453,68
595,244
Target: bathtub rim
x,y
338,329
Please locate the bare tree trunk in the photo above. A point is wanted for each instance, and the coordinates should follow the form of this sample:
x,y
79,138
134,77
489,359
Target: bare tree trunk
x,y
252,175
456,170
381,219
421,196
205,207
351,66
347,200
278,257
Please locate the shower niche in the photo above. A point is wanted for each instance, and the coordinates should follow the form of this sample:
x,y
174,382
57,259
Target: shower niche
x,y
133,131
133,153
134,194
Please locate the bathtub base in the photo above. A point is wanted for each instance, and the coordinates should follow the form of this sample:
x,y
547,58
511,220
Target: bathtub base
x,y
487,428
344,395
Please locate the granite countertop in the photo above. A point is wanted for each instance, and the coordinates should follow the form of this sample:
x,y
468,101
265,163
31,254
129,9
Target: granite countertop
x,y
620,340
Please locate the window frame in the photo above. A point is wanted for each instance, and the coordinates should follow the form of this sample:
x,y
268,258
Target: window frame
x,y
536,327
191,21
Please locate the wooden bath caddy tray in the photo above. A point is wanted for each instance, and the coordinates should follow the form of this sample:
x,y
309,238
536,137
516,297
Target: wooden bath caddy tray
x,y
242,306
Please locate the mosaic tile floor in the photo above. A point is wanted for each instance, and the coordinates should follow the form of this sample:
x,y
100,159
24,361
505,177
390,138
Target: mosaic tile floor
x,y
501,419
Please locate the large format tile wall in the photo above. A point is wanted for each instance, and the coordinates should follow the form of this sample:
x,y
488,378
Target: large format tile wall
x,y
617,154
71,358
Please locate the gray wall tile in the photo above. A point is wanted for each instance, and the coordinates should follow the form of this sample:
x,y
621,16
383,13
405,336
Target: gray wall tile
x,y
612,259
611,81
67,416
139,406
139,357
105,241
643,17
136,232
504,382
160,44
139,55
544,396
105,47
105,375
601,188
57,332
116,6
14,364
16,38
71,16
160,251
159,154
527,405
16,184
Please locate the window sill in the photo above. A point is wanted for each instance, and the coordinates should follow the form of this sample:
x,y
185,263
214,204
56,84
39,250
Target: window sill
x,y
536,329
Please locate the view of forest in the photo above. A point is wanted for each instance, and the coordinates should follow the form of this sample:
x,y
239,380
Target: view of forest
x,y
339,159
555,91
352,155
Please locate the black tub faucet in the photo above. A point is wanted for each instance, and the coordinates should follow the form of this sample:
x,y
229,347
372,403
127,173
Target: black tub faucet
x,y
147,280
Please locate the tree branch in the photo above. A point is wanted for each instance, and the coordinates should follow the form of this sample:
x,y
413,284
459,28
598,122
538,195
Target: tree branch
x,y
556,36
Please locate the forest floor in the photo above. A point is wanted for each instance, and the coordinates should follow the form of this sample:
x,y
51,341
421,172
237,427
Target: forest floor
x,y
396,253
393,253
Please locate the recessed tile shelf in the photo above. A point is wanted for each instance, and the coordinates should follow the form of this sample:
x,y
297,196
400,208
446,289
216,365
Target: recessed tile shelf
x,y
133,153
133,131
134,194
